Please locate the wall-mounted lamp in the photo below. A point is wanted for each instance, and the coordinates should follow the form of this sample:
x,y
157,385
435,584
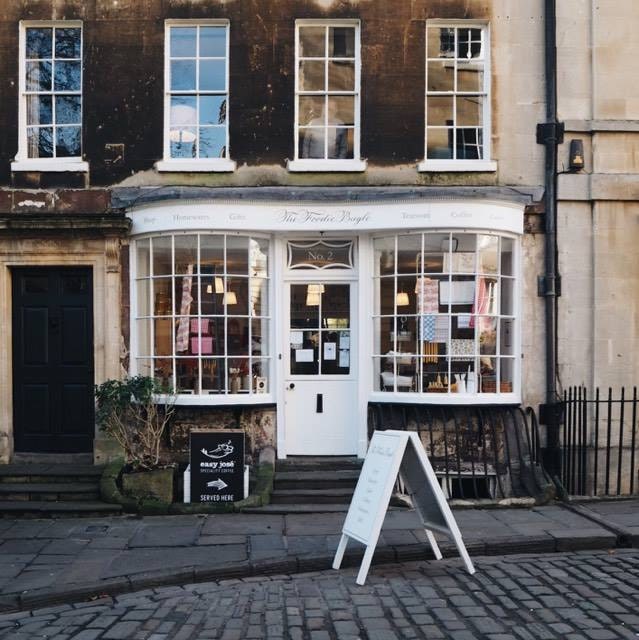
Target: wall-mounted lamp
x,y
219,286
576,161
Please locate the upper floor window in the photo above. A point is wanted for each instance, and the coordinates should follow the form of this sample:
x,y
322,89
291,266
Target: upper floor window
x,y
327,100
50,135
457,98
196,135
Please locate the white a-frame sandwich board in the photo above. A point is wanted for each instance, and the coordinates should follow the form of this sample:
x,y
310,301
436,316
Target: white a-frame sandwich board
x,y
392,452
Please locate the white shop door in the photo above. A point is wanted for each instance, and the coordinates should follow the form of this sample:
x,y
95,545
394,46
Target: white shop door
x,y
320,382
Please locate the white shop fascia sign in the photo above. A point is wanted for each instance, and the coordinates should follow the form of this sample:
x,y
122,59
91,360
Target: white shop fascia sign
x,y
342,217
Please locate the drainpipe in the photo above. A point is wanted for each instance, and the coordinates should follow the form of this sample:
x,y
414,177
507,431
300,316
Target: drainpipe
x,y
551,134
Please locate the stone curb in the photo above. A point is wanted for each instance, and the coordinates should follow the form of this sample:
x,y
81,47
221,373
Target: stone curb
x,y
626,537
560,541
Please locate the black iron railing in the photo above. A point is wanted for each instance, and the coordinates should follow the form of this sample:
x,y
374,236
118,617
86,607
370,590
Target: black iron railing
x,y
599,442
477,452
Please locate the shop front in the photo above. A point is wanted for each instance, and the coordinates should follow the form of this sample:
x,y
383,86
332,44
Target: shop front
x,y
312,311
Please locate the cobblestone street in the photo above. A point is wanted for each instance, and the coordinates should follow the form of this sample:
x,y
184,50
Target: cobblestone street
x,y
572,596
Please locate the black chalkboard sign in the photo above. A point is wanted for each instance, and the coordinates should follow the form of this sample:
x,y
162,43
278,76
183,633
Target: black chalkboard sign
x,y
217,466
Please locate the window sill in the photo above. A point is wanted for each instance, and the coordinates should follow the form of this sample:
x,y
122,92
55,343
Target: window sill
x,y
412,397
53,165
320,166
221,165
220,399
457,165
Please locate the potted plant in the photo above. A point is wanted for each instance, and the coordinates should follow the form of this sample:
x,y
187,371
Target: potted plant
x,y
135,412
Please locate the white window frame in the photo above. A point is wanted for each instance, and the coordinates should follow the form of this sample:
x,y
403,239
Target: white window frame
x,y
485,164
193,164
480,397
22,162
334,164
203,399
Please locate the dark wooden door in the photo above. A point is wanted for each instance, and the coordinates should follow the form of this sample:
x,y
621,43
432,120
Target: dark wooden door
x,y
53,360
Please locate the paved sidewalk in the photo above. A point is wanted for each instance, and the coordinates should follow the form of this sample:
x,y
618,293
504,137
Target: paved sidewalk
x,y
51,561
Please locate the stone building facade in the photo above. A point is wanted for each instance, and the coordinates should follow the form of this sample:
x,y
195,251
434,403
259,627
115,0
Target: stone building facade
x,y
288,210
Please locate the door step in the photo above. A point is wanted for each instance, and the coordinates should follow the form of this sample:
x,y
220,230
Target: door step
x,y
46,509
311,496
52,490
291,509
325,479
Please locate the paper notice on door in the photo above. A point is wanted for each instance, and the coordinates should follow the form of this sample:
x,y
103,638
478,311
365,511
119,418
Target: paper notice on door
x,y
344,341
330,351
296,339
344,358
304,355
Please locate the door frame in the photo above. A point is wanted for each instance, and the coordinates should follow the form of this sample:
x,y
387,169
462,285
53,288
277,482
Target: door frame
x,y
102,254
282,278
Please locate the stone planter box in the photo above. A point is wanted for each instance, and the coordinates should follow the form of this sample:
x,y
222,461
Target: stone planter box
x,y
149,485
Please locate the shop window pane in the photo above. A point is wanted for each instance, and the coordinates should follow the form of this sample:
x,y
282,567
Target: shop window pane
x,y
212,254
488,374
386,295
258,298
384,256
237,255
260,373
162,296
143,328
143,249
507,259
259,337
406,298
213,375
488,254
384,334
506,336
163,373
185,254
187,295
507,296
435,375
215,329
239,376
163,328
144,366
237,336
487,335
188,374
162,256
409,250
258,257
212,295
143,297
236,297
506,374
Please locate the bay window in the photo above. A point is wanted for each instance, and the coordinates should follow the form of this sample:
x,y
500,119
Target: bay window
x,y
201,315
445,314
